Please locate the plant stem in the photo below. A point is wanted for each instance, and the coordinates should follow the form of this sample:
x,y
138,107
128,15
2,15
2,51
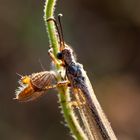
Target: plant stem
x,y
64,95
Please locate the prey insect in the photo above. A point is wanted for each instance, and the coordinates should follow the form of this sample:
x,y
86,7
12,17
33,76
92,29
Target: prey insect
x,y
35,85
82,90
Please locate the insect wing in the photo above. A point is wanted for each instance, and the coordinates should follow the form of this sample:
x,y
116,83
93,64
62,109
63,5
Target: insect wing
x,y
43,79
86,119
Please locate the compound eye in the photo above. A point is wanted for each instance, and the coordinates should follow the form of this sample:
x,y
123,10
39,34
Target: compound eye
x,y
60,55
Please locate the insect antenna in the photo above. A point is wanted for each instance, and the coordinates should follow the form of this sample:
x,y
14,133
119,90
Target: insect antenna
x,y
61,32
57,28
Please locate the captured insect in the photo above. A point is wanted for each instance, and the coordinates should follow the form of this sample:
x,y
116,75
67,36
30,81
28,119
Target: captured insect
x,y
35,85
81,88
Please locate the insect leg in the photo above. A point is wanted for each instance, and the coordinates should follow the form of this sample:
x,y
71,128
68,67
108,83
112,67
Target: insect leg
x,y
63,83
76,103
59,84
53,57
80,98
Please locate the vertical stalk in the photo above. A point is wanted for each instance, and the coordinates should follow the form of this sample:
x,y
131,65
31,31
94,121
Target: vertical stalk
x,y
64,95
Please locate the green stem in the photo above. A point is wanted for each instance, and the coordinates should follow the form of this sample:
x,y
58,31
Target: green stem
x,y
64,95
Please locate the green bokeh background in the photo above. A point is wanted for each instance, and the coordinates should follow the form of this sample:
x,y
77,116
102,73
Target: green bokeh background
x,y
106,38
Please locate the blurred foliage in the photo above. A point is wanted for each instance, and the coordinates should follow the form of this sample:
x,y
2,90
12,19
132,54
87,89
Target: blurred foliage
x,y
105,36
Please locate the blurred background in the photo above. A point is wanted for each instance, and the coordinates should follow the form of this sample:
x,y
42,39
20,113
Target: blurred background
x,y
106,38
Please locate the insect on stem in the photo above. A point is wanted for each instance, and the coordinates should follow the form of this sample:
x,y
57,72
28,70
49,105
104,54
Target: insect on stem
x,y
35,85
80,83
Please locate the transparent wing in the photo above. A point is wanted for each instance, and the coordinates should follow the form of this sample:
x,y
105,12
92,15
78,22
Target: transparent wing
x,y
85,115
